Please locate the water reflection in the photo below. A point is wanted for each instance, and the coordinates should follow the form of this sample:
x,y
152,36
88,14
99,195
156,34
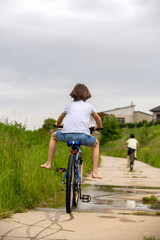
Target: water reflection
x,y
109,197
131,203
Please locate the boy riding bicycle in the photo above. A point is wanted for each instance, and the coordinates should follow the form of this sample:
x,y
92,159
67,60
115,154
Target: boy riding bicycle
x,y
75,120
132,145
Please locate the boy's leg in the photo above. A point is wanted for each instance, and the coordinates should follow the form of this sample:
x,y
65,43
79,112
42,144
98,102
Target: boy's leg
x,y
135,154
127,160
95,158
128,157
51,151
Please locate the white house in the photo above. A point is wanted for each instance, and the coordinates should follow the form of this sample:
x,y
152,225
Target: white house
x,y
127,114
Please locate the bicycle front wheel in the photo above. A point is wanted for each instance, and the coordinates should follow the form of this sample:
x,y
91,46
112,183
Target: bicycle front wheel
x,y
131,160
70,184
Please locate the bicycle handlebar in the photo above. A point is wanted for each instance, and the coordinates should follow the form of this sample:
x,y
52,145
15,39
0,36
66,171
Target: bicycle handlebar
x,y
92,129
61,126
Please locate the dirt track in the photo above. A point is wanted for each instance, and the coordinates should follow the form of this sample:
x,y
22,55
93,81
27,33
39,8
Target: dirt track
x,y
115,173
111,224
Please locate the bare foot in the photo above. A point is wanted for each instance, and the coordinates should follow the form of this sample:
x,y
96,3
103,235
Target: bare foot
x,y
96,176
46,165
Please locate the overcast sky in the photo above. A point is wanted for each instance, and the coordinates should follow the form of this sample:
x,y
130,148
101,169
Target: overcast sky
x,y
48,46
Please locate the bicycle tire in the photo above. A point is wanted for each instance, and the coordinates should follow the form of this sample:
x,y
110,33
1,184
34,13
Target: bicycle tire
x,y
77,186
70,184
80,160
131,161
76,193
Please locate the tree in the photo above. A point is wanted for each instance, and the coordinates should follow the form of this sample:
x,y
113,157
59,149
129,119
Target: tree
x,y
111,129
49,124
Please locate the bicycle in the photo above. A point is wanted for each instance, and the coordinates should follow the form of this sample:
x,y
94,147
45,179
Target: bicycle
x,y
131,159
73,176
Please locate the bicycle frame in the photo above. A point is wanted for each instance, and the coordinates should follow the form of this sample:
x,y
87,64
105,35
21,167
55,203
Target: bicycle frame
x,y
73,177
75,152
131,160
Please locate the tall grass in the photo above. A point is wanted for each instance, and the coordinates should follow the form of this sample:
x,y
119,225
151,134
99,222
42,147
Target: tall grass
x,y
149,139
23,184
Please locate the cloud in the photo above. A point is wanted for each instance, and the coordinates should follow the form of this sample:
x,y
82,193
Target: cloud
x,y
48,46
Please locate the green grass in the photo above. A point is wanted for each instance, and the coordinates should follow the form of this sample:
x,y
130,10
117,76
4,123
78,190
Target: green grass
x,y
151,199
23,184
140,213
149,139
150,238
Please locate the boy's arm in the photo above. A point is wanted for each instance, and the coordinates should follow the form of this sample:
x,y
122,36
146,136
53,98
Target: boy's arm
x,y
126,143
97,119
60,119
138,145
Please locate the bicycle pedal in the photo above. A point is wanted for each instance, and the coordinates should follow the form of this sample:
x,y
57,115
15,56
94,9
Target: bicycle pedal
x,y
61,170
86,198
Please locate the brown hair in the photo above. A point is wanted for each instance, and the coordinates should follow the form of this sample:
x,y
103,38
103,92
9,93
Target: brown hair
x,y
132,135
80,92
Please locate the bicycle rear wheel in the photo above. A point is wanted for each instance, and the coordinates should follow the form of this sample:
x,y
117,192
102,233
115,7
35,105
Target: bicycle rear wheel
x,y
70,184
131,160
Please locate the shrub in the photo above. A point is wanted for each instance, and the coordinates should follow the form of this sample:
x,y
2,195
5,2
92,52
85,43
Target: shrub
x,y
130,125
49,124
157,122
111,129
150,199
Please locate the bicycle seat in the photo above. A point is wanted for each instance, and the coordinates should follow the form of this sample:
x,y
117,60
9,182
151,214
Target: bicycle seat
x,y
71,143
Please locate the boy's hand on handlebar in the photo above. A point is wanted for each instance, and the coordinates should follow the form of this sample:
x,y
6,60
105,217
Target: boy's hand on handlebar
x,y
58,126
97,128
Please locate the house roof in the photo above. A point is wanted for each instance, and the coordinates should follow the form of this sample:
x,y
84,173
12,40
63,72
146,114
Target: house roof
x,y
156,109
143,113
104,112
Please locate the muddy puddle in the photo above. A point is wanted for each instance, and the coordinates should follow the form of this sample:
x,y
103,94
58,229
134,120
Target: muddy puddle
x,y
105,197
110,197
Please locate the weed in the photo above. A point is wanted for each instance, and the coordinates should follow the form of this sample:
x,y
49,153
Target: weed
x,y
151,199
146,213
150,238
142,213
23,184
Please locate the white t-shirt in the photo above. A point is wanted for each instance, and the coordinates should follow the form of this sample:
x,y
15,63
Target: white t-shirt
x,y
132,143
77,117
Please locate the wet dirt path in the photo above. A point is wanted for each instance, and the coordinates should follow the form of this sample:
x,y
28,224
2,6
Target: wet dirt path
x,y
115,173
92,222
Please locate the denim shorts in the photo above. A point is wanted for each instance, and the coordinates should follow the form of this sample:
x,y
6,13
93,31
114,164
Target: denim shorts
x,y
82,138
130,150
